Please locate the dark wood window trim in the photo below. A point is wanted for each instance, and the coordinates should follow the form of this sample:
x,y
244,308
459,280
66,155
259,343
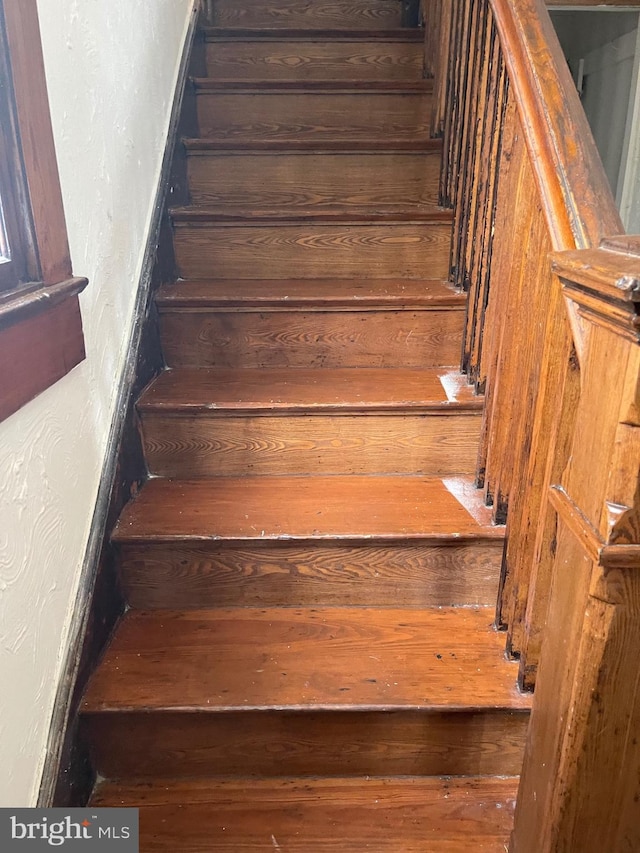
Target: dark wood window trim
x,y
41,337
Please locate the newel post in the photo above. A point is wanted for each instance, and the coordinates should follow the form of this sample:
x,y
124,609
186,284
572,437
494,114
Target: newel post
x,y
580,784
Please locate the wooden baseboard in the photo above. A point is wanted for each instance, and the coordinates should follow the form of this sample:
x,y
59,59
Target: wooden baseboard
x,y
67,777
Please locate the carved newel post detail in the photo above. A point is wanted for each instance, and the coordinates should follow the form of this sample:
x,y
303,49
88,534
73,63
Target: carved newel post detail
x,y
580,786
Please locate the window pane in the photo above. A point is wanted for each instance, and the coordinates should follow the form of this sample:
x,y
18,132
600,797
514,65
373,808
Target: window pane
x,y
8,273
18,261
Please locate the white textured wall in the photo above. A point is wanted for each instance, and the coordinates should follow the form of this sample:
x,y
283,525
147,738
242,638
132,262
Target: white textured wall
x,y
111,69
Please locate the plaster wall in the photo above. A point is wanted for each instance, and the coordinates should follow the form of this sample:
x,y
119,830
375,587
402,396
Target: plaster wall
x,y
597,36
580,32
111,71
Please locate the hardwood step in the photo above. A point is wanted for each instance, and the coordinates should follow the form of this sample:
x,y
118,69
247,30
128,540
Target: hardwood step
x,y
197,214
447,573
414,814
307,541
352,110
203,423
338,14
207,245
311,323
373,55
305,339
349,508
405,35
313,178
219,393
311,87
321,295
205,144
309,691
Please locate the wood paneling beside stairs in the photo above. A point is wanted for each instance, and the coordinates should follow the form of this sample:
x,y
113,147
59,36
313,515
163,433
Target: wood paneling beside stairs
x,y
309,660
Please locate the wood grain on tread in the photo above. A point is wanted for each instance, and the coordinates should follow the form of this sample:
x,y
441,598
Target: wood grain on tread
x,y
290,743
372,250
196,575
345,14
405,35
306,508
311,339
310,179
324,814
364,389
441,659
206,145
376,60
194,215
303,88
320,294
314,115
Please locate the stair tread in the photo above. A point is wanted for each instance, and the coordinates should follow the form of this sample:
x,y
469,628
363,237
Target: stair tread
x,y
353,814
325,658
228,214
219,390
352,14
337,145
316,138
293,508
215,85
404,34
326,294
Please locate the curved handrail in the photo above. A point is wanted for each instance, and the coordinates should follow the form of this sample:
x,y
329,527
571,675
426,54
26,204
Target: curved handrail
x,y
578,204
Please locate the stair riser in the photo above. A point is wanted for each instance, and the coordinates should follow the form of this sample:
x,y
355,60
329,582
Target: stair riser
x,y
300,14
247,61
276,743
210,574
188,446
313,250
317,116
312,180
312,339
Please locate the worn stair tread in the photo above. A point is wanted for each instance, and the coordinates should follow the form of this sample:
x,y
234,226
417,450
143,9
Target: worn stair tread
x,y
255,390
217,86
301,14
251,147
309,508
248,136
321,659
404,34
319,294
409,814
230,215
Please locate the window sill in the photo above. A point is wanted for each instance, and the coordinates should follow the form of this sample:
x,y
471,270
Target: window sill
x,y
41,340
32,299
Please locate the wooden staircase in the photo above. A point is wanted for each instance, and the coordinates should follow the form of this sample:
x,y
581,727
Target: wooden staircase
x,y
308,661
